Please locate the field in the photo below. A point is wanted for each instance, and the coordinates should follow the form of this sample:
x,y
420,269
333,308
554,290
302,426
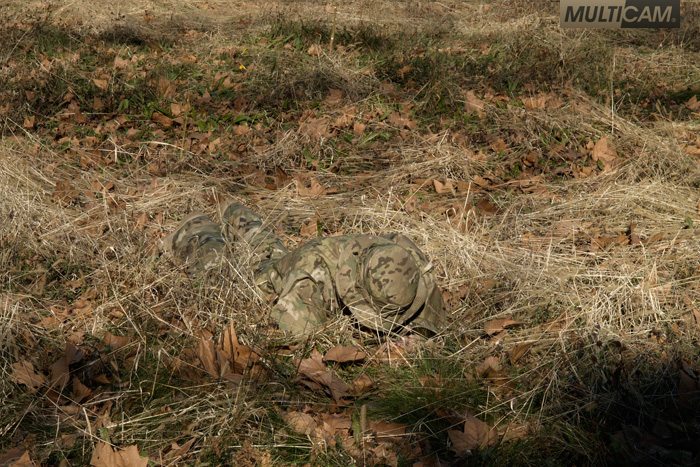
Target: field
x,y
552,176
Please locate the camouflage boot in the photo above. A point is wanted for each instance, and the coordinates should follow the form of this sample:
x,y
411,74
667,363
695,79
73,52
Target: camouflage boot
x,y
240,223
197,241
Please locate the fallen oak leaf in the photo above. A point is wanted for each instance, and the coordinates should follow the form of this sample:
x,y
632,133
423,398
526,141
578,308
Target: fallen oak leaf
x,y
314,369
114,341
300,422
518,352
162,120
604,153
16,457
344,354
362,384
476,434
23,373
384,429
101,84
314,190
105,456
497,325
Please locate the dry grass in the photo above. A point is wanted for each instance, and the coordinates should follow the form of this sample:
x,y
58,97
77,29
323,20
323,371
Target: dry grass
x,y
611,330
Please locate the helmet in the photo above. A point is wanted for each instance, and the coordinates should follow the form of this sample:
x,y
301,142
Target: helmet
x,y
390,277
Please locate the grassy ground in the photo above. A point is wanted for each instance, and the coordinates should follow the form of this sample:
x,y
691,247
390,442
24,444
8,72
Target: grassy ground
x,y
553,177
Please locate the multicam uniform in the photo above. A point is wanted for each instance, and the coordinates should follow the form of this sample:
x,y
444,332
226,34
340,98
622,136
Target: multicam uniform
x,y
384,281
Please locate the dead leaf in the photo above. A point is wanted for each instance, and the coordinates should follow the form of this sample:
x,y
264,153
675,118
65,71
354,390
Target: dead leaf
x,y
316,128
309,228
535,102
177,452
206,352
23,373
101,83
313,190
239,356
300,422
693,104
491,366
80,391
16,457
476,434
334,97
518,351
344,354
604,151
486,207
120,62
315,50
162,120
443,188
29,122
362,384
116,342
358,128
388,429
474,104
64,193
497,325
105,456
314,369
401,121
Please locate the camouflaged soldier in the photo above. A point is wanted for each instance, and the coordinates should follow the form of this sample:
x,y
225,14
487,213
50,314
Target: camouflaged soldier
x,y
384,281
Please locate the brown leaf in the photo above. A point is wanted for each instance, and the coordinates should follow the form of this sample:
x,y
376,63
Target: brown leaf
x,y
120,62
105,456
476,434
300,422
64,193
177,452
60,374
486,207
489,367
309,228
401,121
535,102
29,122
315,50
101,83
388,429
23,373
343,354
16,457
162,120
314,190
497,325
314,369
474,104
239,356
518,351
362,384
177,109
316,128
116,342
80,391
693,103
206,352
443,188
334,97
604,151
358,128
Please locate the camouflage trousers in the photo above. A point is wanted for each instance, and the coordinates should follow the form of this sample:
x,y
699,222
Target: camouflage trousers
x,y
384,281
200,243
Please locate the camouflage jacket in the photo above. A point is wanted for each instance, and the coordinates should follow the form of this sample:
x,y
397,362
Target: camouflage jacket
x,y
384,281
